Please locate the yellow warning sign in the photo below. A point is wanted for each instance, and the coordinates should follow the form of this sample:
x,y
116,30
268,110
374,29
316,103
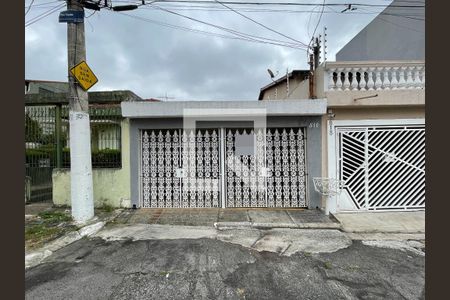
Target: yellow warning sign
x,y
84,75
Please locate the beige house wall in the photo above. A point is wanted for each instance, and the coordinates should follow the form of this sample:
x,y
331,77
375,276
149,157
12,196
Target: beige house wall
x,y
111,186
298,89
365,113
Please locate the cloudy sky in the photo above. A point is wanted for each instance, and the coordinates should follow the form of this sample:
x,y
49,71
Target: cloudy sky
x,y
156,54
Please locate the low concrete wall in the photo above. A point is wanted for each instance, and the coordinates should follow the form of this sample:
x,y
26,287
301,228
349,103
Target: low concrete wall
x,y
111,186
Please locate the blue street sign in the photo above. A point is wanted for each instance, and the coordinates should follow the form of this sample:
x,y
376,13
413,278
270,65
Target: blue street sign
x,y
71,16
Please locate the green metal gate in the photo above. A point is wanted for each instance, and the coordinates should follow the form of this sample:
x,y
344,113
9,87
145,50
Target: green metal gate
x,y
47,143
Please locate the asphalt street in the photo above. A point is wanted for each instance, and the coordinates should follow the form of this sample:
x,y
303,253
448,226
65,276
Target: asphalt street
x,y
207,268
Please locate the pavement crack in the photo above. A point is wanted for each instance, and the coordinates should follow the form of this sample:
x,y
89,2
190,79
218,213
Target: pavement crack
x,y
261,236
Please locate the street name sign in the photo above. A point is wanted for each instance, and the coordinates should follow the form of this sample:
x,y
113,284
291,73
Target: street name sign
x,y
71,16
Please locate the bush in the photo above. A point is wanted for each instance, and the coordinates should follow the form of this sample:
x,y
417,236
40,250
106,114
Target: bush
x,y
106,158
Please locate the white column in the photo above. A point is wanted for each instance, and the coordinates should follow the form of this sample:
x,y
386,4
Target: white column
x,y
386,81
378,82
339,80
370,82
346,83
409,79
331,84
354,83
394,81
401,80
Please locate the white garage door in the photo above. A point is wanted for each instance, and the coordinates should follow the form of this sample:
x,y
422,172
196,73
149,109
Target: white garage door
x,y
383,167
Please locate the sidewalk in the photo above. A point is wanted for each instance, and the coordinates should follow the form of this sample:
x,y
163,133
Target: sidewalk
x,y
388,222
230,218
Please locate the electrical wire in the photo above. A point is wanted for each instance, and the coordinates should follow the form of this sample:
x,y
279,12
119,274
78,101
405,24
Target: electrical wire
x,y
315,28
291,3
284,3
175,7
42,4
203,32
45,14
232,31
262,25
29,7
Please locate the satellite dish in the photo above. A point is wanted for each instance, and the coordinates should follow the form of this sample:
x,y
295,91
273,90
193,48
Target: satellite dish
x,y
270,73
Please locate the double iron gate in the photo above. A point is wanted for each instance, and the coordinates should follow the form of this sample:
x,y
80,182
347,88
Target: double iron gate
x,y
383,167
223,168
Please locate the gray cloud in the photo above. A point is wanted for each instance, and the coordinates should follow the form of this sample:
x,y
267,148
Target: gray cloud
x,y
153,61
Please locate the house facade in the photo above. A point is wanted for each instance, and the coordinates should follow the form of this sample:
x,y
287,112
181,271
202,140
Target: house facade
x,y
363,125
225,154
374,129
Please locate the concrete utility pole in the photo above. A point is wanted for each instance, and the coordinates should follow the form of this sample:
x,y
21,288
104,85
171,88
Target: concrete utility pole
x,y
82,196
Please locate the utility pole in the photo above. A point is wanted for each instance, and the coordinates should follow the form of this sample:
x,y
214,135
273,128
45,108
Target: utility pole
x,y
311,77
82,196
316,51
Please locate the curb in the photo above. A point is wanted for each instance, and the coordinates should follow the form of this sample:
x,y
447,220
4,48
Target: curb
x,y
241,225
36,257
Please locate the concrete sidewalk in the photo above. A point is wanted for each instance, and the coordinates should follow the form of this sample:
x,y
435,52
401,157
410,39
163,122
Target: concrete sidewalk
x,y
404,222
230,218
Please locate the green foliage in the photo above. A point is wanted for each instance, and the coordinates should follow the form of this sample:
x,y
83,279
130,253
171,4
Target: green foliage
x,y
33,130
107,208
327,265
55,217
100,158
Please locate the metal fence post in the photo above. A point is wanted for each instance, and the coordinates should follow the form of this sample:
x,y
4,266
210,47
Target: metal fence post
x,y
58,132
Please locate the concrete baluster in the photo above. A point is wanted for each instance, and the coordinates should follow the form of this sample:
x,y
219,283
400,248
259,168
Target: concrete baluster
x,y
346,83
370,82
331,83
394,81
354,83
386,81
401,80
409,78
378,82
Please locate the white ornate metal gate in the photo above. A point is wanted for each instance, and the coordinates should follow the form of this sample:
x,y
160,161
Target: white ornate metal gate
x,y
273,175
383,167
180,168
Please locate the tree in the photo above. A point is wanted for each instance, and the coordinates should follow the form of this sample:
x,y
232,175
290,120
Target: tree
x,y
33,131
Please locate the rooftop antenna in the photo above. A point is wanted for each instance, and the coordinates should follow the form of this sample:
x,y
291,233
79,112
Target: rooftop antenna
x,y
166,97
349,7
272,76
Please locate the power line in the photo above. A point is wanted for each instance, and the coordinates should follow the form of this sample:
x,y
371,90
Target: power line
x,y
232,31
41,4
45,14
291,3
318,22
262,25
263,10
207,33
29,7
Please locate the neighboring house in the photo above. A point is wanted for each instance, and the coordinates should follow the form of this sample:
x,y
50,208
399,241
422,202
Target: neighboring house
x,y
48,152
293,85
390,37
374,132
45,86
105,132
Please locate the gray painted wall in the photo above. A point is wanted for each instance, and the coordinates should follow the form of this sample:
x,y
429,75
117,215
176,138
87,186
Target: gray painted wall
x,y
390,37
313,147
